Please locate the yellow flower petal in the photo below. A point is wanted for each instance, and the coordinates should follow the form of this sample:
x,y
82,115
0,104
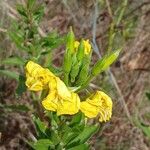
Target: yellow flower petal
x,y
97,104
50,102
89,110
76,45
60,99
62,90
37,77
54,103
87,46
68,107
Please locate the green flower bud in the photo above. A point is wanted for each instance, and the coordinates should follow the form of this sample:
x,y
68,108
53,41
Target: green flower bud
x,y
80,51
105,62
70,41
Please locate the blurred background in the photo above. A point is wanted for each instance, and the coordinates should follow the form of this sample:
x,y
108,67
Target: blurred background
x,y
127,81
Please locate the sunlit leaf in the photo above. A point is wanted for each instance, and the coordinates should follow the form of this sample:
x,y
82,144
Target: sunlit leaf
x,y
42,144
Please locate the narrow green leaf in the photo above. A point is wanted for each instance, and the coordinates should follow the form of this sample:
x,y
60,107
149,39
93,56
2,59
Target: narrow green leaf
x,y
14,61
70,41
21,10
68,137
42,144
40,126
148,95
77,119
30,3
80,147
10,74
105,62
21,85
85,135
38,13
144,128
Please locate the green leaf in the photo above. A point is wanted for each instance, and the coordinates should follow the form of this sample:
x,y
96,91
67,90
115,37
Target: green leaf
x,y
14,61
38,13
30,3
21,10
10,74
69,136
42,144
84,135
105,62
54,137
21,85
40,126
52,41
148,95
21,108
17,38
77,119
80,147
144,128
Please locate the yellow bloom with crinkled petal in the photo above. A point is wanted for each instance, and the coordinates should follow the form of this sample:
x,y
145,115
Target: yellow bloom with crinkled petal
x,y
37,77
87,46
98,104
60,99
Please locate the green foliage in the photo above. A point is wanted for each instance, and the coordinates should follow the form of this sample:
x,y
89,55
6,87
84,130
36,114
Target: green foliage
x,y
21,85
42,144
143,127
27,37
14,61
148,95
10,74
73,135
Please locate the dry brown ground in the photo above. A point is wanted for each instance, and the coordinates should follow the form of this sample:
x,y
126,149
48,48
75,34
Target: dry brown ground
x,y
131,72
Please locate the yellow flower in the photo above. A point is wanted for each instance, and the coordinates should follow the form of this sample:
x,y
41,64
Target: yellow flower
x,y
60,99
98,104
87,46
37,77
76,45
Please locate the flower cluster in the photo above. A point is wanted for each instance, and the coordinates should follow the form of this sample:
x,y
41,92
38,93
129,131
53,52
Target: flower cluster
x,y
61,99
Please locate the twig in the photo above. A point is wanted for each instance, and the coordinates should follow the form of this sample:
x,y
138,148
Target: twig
x,y
3,30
